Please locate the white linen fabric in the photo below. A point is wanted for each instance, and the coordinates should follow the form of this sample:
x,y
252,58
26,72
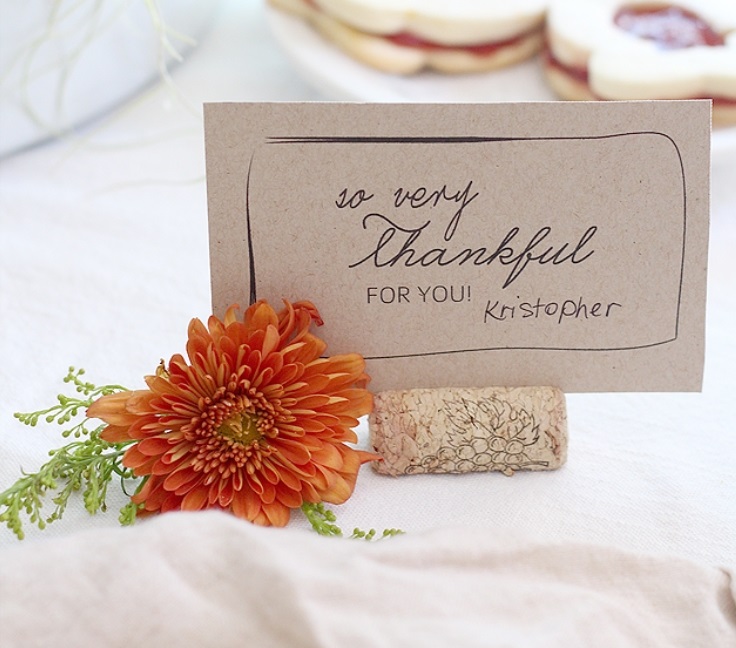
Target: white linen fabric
x,y
208,579
103,261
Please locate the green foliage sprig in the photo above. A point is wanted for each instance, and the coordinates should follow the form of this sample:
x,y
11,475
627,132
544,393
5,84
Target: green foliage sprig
x,y
87,464
324,522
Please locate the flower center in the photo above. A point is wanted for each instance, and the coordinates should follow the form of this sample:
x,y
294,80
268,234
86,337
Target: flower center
x,y
242,428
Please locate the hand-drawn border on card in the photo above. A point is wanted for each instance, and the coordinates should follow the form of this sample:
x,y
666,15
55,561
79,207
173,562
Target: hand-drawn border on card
x,y
473,140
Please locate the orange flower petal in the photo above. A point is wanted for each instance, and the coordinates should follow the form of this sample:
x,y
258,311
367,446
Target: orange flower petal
x,y
289,498
194,500
294,451
246,505
115,434
259,316
277,513
338,491
113,408
180,477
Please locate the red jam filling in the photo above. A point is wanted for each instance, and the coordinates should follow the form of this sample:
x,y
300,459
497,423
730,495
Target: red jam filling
x,y
577,73
669,26
406,39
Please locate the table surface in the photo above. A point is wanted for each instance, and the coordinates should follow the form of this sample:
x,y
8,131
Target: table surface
x,y
105,259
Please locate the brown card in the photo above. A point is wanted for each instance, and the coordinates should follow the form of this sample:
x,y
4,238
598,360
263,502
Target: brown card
x,y
474,245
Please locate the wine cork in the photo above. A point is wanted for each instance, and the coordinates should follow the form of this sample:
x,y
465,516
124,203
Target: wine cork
x,y
469,430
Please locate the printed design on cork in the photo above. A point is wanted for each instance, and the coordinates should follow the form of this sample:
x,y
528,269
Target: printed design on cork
x,y
484,434
461,430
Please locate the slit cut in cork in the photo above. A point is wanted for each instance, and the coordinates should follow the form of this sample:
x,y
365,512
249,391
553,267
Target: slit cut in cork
x,y
469,430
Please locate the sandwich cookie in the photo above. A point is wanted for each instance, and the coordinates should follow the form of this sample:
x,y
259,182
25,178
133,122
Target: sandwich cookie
x,y
406,36
639,49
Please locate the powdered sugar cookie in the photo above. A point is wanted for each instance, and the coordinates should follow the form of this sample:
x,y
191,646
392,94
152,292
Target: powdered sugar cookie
x,y
406,36
639,49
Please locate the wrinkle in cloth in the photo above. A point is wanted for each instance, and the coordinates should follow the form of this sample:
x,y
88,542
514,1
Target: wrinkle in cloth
x,y
208,579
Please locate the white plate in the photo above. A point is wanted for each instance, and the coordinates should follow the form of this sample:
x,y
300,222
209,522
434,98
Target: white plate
x,y
341,78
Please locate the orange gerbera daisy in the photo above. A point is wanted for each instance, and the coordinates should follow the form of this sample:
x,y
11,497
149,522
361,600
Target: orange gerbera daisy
x,y
255,421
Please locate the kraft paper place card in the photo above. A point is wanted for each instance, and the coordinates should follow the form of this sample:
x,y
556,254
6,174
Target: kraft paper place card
x,y
473,245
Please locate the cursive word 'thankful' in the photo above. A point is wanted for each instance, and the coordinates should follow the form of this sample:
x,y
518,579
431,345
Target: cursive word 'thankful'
x,y
402,246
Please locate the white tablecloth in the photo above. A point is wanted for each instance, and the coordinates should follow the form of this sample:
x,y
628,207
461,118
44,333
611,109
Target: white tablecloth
x,y
104,259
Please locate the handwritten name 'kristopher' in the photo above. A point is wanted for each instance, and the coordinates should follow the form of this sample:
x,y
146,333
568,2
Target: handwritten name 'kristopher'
x,y
403,246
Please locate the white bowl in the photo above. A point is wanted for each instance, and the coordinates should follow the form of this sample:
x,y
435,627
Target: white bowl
x,y
66,62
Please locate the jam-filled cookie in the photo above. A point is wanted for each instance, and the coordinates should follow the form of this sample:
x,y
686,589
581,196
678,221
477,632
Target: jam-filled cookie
x,y
406,36
639,49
